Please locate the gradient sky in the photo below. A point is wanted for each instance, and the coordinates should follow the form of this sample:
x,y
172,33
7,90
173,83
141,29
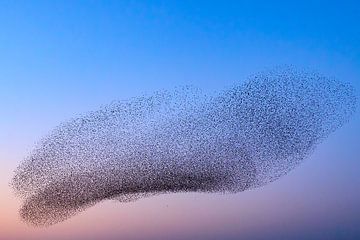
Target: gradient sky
x,y
62,58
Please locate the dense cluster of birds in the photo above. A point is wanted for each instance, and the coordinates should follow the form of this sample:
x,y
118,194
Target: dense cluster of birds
x,y
181,141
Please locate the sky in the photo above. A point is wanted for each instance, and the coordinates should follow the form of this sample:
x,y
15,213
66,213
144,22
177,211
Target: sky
x,y
59,59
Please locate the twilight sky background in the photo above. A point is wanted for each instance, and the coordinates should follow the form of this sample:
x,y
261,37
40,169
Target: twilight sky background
x,y
62,58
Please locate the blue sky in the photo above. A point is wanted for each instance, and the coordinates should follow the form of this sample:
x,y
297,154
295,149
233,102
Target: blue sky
x,y
84,52
62,58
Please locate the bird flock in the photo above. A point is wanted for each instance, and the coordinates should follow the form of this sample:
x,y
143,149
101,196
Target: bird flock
x,y
182,140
